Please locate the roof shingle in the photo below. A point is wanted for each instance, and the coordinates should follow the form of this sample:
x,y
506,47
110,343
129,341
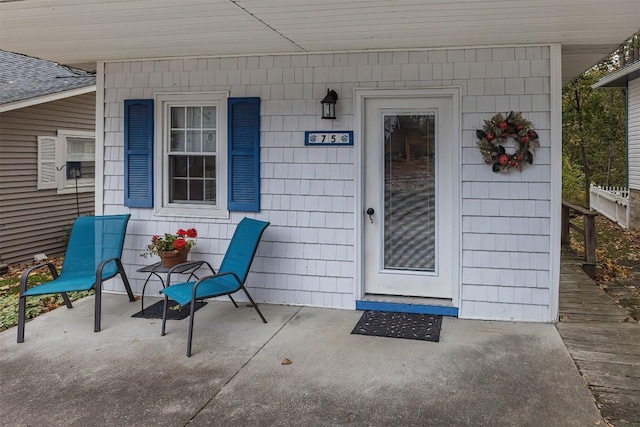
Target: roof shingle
x,y
24,77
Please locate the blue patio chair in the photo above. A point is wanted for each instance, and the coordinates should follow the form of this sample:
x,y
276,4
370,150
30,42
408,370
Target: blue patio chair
x,y
92,256
229,279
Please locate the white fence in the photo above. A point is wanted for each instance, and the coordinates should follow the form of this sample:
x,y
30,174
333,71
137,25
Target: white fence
x,y
612,202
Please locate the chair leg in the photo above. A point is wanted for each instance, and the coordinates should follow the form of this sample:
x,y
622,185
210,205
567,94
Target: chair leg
x,y
22,304
233,301
193,311
66,300
254,304
98,309
164,315
125,280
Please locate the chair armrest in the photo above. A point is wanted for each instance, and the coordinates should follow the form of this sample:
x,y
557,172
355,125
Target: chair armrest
x,y
25,276
228,273
101,267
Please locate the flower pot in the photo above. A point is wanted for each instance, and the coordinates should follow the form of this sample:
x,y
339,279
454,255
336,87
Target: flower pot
x,y
172,258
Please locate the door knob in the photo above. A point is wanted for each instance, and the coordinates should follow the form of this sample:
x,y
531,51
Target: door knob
x,y
370,212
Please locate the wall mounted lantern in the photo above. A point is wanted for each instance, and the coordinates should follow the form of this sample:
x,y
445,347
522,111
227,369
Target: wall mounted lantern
x,y
329,104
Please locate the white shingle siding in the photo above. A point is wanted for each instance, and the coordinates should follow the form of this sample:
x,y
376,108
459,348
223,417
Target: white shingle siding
x,y
308,193
634,134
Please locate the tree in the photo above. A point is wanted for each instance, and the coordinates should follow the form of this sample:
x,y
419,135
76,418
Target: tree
x,y
593,131
594,124
629,52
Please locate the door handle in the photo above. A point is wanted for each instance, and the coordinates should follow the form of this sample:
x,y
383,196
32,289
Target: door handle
x,y
370,212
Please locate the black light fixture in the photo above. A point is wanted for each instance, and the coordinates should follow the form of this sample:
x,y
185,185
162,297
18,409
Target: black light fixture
x,y
329,104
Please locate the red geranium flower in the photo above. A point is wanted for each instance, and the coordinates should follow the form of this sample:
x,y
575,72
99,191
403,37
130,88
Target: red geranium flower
x,y
191,233
181,233
179,243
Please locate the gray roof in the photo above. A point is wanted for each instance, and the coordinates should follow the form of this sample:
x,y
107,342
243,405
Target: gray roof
x,y
620,78
23,77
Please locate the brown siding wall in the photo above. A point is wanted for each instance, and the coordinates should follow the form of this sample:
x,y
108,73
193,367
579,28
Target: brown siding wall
x,y
34,221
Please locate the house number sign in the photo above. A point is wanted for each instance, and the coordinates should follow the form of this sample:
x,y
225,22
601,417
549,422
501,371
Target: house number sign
x,y
317,137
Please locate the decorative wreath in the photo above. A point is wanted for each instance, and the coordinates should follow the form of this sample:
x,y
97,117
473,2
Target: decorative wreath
x,y
497,131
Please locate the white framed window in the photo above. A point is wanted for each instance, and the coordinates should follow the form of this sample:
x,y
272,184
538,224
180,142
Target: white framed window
x,y
190,154
66,162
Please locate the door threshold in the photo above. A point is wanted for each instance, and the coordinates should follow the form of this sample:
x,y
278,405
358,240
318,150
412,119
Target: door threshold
x,y
399,304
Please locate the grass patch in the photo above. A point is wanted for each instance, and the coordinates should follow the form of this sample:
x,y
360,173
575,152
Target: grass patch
x,y
10,286
36,305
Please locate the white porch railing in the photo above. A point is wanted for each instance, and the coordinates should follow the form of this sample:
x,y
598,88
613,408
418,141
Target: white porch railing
x,y
612,202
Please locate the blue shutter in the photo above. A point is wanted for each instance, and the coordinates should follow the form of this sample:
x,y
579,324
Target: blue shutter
x,y
244,154
138,153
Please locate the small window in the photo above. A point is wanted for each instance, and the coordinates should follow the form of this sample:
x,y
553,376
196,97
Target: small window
x,y
80,161
67,162
192,178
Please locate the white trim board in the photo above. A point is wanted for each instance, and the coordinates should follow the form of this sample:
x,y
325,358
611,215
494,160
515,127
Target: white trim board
x,y
359,97
328,52
556,179
99,186
46,98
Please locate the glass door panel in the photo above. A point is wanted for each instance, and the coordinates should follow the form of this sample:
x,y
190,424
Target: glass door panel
x,y
410,191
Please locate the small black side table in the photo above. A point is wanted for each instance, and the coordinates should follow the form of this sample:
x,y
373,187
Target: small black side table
x,y
189,267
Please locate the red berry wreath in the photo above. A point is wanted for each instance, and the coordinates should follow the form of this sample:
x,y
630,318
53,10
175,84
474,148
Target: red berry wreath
x,y
498,130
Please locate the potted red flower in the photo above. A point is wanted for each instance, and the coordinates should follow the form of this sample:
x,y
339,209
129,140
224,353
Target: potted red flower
x,y
172,249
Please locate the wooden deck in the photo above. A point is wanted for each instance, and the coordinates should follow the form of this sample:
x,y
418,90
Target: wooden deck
x,y
604,342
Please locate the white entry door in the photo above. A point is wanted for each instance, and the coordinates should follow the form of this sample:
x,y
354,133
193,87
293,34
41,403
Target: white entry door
x,y
410,231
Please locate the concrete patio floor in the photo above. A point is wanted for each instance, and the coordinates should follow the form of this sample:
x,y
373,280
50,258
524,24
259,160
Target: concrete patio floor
x,y
480,373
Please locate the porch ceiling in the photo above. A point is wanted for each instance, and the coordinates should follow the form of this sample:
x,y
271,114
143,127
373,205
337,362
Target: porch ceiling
x,y
85,31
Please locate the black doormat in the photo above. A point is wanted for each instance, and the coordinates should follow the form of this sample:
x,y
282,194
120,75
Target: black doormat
x,y
411,326
154,311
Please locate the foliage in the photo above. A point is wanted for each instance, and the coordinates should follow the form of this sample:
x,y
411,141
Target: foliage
x,y
593,131
594,122
572,182
36,305
171,242
628,53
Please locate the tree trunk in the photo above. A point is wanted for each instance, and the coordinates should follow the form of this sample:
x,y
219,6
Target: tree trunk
x,y
612,150
583,151
587,174
609,160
